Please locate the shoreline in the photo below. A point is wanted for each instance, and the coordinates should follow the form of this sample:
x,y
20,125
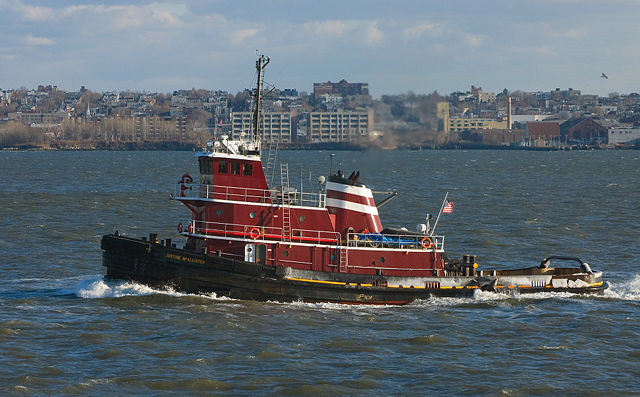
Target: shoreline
x,y
189,147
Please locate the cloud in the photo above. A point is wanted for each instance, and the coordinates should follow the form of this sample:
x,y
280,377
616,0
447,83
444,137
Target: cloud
x,y
34,13
119,16
131,16
168,13
544,50
211,19
373,35
123,17
42,14
572,34
333,27
33,40
241,35
8,57
364,31
474,40
166,18
416,32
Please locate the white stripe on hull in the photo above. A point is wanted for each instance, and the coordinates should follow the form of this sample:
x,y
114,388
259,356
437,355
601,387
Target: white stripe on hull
x,y
357,190
348,205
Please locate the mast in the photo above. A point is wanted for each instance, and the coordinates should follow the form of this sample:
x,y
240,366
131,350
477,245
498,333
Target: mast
x,y
433,230
261,63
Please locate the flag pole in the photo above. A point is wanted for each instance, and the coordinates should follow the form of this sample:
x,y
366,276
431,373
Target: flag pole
x,y
433,230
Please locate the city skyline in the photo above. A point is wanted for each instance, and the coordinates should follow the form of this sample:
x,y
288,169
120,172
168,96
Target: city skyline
x,y
418,46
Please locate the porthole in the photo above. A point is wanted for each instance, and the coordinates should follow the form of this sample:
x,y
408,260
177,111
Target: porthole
x,y
252,214
382,259
301,218
285,253
219,212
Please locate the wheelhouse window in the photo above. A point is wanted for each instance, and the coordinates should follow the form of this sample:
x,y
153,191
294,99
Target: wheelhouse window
x,y
222,167
206,171
235,168
206,166
248,170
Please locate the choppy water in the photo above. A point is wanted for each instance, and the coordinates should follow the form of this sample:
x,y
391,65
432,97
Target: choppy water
x,y
66,331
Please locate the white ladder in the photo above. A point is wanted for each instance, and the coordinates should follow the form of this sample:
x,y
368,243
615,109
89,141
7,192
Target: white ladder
x,y
344,259
270,167
286,214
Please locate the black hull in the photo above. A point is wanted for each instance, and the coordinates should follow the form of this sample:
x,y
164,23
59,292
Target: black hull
x,y
161,265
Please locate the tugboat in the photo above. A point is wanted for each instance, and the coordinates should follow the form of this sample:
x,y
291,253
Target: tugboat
x,y
249,240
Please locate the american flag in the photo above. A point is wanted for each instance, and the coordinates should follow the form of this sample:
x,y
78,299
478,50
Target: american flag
x,y
448,208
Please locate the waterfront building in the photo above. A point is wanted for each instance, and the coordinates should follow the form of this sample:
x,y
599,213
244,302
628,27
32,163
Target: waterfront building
x,y
623,135
274,126
339,126
450,124
542,133
459,124
442,113
583,130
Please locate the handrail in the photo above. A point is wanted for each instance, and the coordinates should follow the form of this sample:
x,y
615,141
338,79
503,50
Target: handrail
x,y
545,262
584,266
244,194
403,241
257,232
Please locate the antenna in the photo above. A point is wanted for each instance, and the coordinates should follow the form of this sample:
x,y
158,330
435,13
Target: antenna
x,y
261,63
331,163
433,230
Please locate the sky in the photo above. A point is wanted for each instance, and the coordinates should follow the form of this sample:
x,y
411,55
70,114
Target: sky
x,y
395,46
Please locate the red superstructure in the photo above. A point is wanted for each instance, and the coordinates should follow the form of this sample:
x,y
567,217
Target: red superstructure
x,y
237,215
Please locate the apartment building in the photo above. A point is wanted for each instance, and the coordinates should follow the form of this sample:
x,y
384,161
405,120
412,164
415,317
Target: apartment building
x,y
339,126
274,126
341,88
39,117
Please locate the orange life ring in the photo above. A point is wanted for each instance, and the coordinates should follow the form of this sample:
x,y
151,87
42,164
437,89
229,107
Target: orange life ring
x,y
180,227
254,233
190,227
424,243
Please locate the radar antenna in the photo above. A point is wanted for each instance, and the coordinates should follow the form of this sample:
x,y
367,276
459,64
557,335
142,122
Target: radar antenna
x,y
261,63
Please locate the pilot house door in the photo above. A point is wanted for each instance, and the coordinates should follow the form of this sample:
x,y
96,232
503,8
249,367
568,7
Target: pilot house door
x,y
261,253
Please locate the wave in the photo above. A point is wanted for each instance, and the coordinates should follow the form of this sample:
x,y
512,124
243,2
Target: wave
x,y
627,290
97,288
479,298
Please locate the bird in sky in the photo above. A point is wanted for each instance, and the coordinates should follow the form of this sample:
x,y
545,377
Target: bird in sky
x,y
604,76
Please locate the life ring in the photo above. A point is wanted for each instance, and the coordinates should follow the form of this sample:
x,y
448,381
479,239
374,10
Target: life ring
x,y
190,227
426,243
180,227
254,233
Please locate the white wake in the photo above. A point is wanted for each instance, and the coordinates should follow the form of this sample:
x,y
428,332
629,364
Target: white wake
x,y
96,288
625,290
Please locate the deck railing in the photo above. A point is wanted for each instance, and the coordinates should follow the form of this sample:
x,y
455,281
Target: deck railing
x,y
252,232
402,241
243,194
